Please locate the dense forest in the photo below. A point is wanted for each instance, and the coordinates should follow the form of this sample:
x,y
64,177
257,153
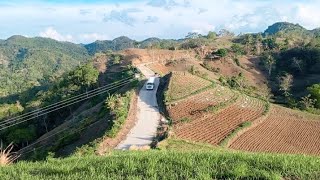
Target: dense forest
x,y
30,64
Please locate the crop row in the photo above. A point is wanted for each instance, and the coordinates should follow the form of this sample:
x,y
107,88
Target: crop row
x,y
215,127
183,84
193,107
283,131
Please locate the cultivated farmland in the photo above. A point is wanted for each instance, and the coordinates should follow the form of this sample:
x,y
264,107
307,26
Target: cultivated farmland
x,y
284,131
183,84
217,126
195,106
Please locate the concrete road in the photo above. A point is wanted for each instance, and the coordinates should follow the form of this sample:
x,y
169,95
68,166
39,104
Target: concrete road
x,y
148,116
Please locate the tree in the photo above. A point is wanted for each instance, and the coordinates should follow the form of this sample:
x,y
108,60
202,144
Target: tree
x,y
307,102
285,84
222,52
23,136
212,35
314,90
248,41
237,49
193,35
268,62
116,59
84,75
258,43
298,63
225,33
270,43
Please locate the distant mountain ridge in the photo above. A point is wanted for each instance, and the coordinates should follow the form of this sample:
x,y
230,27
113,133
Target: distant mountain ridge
x,y
124,42
116,44
286,27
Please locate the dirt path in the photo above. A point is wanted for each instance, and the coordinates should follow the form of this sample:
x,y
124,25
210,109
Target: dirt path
x,y
148,116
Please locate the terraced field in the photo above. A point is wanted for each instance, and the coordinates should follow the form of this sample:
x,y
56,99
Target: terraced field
x,y
183,84
217,126
284,131
193,107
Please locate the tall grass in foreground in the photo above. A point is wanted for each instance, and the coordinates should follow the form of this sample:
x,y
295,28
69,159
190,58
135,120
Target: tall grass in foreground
x,y
158,164
6,155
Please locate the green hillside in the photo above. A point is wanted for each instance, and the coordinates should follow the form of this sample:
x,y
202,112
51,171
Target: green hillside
x,y
119,43
34,62
169,165
284,27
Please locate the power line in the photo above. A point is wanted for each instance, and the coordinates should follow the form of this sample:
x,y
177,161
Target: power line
x,y
86,97
28,114
37,142
66,105
34,112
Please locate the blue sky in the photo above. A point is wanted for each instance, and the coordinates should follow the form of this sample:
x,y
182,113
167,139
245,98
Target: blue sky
x,y
86,21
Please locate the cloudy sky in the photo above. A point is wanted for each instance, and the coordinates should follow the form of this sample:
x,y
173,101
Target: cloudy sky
x,y
86,21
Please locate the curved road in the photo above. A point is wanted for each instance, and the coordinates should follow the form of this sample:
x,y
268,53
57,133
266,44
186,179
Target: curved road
x,y
148,116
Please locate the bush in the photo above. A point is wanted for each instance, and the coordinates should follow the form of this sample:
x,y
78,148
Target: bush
x,y
222,52
118,106
237,49
185,120
314,90
210,68
236,60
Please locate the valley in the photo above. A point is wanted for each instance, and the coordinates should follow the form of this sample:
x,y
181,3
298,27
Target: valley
x,y
250,99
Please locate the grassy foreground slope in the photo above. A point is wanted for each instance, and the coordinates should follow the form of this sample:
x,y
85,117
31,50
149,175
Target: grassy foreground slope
x,y
161,164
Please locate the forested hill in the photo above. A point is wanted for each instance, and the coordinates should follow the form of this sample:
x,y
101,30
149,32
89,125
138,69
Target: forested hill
x,y
119,43
33,62
286,27
124,42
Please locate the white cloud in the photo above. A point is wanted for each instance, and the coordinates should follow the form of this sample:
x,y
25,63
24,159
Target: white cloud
x,y
82,23
91,37
50,32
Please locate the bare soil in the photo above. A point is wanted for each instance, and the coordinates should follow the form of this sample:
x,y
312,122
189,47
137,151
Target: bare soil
x,y
215,127
284,131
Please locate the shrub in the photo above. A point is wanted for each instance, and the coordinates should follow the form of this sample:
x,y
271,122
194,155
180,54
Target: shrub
x,y
118,105
236,60
185,120
222,52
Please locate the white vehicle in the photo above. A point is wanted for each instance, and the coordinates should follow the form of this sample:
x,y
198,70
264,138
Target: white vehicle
x,y
150,83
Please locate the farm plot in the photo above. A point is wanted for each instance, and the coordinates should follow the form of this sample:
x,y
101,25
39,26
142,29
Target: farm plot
x,y
215,127
284,131
183,84
192,108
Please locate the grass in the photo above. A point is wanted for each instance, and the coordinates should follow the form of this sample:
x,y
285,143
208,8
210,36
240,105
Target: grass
x,y
119,107
6,156
222,105
243,125
173,144
155,164
185,120
267,108
169,98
